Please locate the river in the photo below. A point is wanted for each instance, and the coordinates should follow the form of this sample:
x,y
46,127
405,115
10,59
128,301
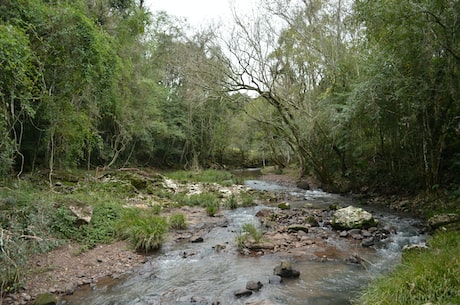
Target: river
x,y
208,276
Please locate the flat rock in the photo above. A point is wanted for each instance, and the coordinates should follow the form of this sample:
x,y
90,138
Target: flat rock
x,y
242,293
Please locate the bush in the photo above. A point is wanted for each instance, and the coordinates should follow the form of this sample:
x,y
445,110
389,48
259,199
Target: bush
x,y
178,221
430,276
144,230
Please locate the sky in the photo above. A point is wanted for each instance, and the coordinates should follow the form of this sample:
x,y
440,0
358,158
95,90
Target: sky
x,y
200,12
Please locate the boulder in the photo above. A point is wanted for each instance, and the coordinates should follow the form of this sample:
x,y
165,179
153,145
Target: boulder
x,y
253,285
441,220
352,218
284,269
81,210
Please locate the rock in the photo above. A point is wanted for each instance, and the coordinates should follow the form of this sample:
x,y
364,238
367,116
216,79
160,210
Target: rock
x,y
199,301
242,293
311,220
275,279
343,233
414,248
264,213
368,242
81,210
284,206
46,299
196,239
354,231
253,285
296,228
440,220
352,218
303,185
284,269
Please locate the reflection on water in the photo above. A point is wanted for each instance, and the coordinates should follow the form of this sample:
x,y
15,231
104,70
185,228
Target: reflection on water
x,y
206,274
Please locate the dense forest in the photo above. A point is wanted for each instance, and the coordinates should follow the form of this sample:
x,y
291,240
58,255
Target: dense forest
x,y
357,94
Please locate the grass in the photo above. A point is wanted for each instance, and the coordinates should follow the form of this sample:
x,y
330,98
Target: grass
x,y
249,233
178,221
205,176
143,229
424,276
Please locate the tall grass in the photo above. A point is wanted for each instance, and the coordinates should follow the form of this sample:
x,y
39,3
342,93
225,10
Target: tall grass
x,y
143,229
430,276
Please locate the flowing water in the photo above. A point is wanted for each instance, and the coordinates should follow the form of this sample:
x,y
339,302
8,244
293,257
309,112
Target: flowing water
x,y
183,272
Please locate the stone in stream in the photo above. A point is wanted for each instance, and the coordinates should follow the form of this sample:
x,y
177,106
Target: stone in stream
x,y
284,269
368,242
352,218
199,301
253,285
196,239
296,228
275,280
242,293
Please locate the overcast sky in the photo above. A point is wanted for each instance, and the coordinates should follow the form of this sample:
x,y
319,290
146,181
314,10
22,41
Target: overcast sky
x,y
199,12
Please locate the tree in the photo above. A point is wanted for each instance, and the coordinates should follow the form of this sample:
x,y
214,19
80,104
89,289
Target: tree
x,y
413,85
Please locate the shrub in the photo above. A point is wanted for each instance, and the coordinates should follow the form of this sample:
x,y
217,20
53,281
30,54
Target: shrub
x,y
178,221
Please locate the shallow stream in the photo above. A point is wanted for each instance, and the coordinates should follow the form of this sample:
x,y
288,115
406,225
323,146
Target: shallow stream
x,y
199,272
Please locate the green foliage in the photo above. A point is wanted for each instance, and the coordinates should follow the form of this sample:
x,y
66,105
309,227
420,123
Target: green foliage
x,y
178,221
428,276
143,229
25,229
100,230
207,176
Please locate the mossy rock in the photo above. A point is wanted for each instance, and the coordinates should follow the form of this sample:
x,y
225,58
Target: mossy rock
x,y
284,206
46,299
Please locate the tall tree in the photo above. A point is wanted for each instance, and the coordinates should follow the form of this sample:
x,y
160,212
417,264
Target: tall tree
x,y
413,85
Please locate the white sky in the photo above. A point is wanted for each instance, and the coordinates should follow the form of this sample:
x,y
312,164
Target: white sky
x,y
200,12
